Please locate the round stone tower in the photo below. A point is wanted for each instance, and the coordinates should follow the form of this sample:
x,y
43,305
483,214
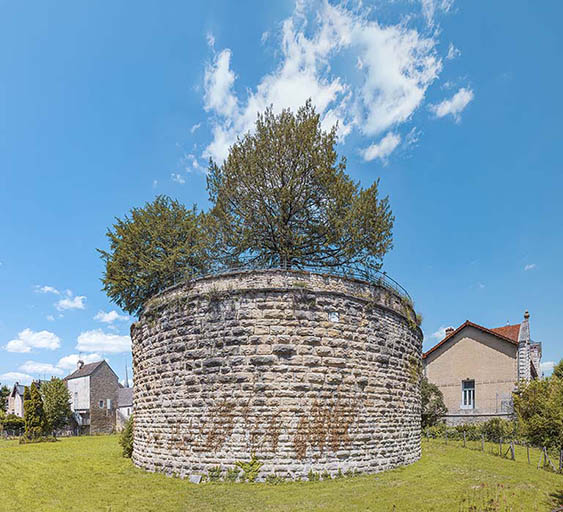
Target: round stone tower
x,y
303,371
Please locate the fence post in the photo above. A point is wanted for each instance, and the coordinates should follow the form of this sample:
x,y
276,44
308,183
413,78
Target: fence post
x,y
561,460
464,438
512,450
500,446
446,432
528,451
482,442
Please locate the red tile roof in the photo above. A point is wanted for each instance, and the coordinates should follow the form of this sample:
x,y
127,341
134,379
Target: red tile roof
x,y
498,332
510,331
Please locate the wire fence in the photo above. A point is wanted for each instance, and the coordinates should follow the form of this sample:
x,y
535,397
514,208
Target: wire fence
x,y
512,449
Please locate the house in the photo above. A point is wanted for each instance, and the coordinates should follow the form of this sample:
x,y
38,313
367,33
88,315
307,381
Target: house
x,y
124,407
94,396
15,400
477,369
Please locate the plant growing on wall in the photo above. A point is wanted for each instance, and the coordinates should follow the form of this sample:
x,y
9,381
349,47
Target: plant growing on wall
x,y
126,438
282,197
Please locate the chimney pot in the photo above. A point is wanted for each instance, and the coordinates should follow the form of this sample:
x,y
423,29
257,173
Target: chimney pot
x,y
449,330
80,364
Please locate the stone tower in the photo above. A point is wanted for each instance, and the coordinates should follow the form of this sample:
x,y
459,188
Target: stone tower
x,y
524,349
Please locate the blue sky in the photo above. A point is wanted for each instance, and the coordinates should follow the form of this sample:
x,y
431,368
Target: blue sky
x,y
455,106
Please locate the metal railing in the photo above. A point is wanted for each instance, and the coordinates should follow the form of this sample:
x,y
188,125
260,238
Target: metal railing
x,y
360,272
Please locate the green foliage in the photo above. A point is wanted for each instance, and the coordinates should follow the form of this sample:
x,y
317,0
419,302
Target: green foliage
x,y
433,407
493,430
325,475
539,408
56,402
214,474
274,479
339,475
312,476
36,426
153,248
12,422
282,197
251,469
4,394
558,370
232,474
126,438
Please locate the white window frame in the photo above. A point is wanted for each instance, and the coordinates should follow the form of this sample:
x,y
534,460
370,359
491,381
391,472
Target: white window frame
x,y
467,394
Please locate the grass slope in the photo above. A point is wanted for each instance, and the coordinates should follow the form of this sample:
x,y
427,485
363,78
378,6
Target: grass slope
x,y
88,474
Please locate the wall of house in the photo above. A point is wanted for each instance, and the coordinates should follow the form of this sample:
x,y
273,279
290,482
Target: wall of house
x,y
475,355
103,387
307,372
121,417
79,390
15,405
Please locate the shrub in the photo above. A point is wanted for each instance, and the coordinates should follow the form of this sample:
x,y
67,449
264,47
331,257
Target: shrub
x,y
274,479
433,407
232,474
126,438
214,474
13,422
496,429
250,470
313,477
36,425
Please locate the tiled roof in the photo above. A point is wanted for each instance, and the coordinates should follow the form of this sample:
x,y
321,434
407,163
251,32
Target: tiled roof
x,y
467,323
124,397
87,369
510,331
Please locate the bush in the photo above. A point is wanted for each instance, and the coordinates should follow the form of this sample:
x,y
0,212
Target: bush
x,y
13,422
214,474
433,407
496,429
126,438
251,469
232,474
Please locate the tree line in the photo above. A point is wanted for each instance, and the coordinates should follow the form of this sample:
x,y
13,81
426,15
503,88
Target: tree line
x,y
282,198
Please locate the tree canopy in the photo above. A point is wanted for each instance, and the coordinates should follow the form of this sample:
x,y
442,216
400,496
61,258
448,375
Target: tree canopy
x,y
4,394
539,408
154,247
56,403
282,197
36,425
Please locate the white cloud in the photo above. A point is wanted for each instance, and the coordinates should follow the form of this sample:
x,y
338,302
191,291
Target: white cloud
x,y
383,148
453,52
178,178
46,289
51,318
396,66
431,7
35,367
210,39
69,362
11,377
28,340
195,127
455,105
547,366
71,302
440,334
530,266
99,341
110,316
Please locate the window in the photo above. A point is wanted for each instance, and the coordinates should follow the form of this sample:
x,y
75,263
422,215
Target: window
x,y
468,394
101,404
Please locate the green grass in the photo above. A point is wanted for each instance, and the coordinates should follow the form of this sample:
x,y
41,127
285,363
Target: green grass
x,y
88,474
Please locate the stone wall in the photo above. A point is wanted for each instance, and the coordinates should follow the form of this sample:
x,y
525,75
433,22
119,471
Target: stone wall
x,y
103,387
305,371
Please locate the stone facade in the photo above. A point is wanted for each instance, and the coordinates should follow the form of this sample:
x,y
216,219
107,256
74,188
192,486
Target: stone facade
x,y
104,386
305,371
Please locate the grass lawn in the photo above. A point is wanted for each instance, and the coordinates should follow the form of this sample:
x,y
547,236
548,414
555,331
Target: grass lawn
x,y
88,473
